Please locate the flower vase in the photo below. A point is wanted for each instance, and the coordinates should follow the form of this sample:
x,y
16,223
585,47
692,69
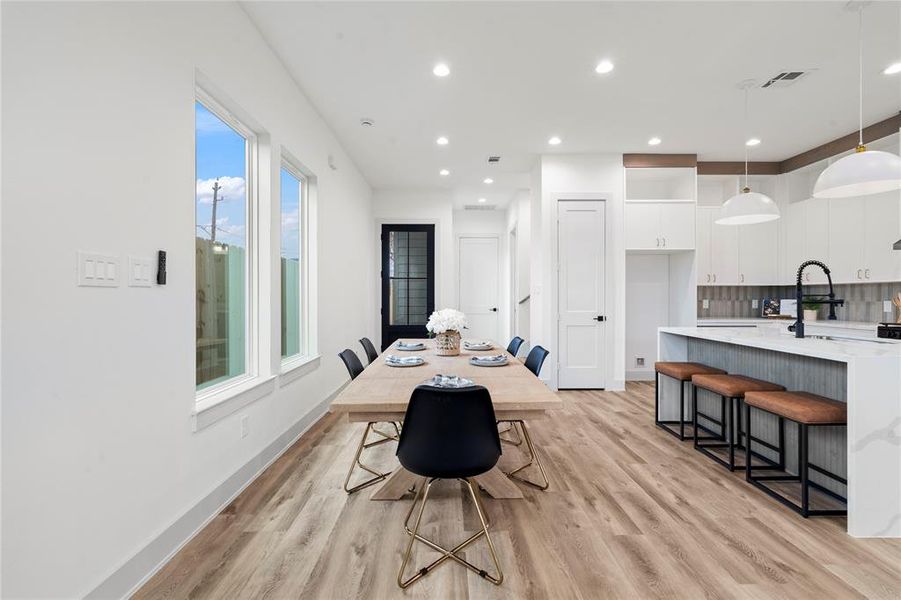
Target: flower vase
x,y
447,343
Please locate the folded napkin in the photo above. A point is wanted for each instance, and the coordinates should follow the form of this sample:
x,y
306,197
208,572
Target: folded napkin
x,y
448,381
497,358
403,360
477,344
401,344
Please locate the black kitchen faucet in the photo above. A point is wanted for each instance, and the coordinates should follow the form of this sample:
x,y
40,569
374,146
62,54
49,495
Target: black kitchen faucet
x,y
798,327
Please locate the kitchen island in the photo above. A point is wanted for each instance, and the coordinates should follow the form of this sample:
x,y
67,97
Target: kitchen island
x,y
865,373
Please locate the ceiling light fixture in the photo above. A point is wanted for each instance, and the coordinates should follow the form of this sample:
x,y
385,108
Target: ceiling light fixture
x,y
753,142
444,172
654,141
866,171
747,207
483,200
554,141
892,69
604,67
441,70
442,141
488,180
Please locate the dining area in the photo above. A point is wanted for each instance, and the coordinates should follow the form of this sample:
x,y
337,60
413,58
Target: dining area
x,y
447,408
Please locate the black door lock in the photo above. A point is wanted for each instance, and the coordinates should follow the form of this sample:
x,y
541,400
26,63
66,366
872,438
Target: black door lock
x,y
600,318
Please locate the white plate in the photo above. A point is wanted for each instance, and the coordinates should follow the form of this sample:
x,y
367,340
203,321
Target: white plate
x,y
411,347
479,346
482,363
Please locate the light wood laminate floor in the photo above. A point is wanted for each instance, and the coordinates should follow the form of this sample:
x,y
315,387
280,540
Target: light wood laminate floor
x,y
631,513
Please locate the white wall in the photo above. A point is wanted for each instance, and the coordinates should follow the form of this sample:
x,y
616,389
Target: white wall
x,y
519,222
596,175
647,302
99,457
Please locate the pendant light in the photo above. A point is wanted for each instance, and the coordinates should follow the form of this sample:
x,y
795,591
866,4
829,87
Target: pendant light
x,y
747,207
866,171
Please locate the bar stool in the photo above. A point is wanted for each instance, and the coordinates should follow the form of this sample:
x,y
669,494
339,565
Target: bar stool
x,y
806,410
681,372
731,389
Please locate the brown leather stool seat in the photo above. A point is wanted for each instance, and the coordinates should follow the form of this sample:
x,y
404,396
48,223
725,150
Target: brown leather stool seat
x,y
684,371
800,407
681,372
807,410
731,389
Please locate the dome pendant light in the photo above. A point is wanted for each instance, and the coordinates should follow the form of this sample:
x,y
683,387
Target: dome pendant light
x,y
866,171
747,207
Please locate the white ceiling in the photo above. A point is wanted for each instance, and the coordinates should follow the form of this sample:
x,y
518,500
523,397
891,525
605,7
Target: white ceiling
x,y
523,71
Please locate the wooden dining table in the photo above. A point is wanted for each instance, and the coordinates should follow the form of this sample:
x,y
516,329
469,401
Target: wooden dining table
x,y
381,394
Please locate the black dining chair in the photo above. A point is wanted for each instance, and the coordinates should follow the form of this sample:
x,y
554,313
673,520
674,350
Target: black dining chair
x,y
514,345
448,434
371,353
354,368
534,361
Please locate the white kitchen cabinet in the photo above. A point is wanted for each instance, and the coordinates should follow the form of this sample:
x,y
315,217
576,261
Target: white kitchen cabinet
x,y
882,228
703,240
735,255
724,254
805,236
846,230
660,225
758,261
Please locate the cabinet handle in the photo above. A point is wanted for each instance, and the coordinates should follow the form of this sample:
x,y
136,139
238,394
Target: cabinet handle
x,y
708,277
742,277
858,274
658,242
714,278
808,277
866,273
664,242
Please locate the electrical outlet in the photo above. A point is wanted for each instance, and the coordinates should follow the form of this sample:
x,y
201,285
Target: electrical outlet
x,y
886,306
639,361
705,304
243,427
754,303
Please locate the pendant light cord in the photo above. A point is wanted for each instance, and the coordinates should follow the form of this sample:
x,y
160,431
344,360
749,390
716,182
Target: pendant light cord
x,y
860,75
747,131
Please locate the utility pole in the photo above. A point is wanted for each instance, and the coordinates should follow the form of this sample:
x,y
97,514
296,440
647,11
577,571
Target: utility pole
x,y
216,188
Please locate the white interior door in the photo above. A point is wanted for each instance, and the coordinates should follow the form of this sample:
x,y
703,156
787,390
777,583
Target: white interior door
x,y
582,322
478,260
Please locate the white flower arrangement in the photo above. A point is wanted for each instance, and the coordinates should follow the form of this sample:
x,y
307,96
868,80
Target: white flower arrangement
x,y
446,319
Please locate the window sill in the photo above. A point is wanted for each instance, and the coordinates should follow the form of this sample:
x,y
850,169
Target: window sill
x,y
220,404
296,367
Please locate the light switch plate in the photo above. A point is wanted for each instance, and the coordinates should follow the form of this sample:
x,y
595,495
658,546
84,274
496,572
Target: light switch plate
x,y
754,303
705,303
140,272
886,306
97,270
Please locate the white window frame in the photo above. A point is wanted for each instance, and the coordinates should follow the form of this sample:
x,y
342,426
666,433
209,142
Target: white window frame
x,y
309,350
251,379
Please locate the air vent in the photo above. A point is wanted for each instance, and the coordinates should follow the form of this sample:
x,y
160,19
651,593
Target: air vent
x,y
480,207
494,160
785,79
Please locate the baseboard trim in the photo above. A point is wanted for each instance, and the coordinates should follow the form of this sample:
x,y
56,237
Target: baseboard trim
x,y
640,375
136,571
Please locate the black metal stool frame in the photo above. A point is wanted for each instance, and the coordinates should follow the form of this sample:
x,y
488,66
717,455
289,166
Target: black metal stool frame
x,y
666,425
734,438
804,465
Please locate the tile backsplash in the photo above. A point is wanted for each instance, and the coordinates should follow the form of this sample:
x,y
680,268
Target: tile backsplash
x,y
863,301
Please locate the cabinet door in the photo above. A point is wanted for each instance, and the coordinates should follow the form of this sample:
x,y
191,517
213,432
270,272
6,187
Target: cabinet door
x,y
643,226
677,225
882,228
846,229
816,238
702,245
794,226
724,253
757,259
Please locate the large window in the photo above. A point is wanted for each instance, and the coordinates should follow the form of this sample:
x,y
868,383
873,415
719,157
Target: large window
x,y
223,151
293,194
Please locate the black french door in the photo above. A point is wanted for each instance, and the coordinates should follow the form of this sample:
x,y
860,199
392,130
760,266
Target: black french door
x,y
408,281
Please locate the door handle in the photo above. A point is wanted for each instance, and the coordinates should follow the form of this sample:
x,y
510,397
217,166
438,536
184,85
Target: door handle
x,y
600,318
493,309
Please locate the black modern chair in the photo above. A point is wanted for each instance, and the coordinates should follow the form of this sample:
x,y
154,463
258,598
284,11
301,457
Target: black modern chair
x,y
448,434
354,368
534,362
371,353
514,345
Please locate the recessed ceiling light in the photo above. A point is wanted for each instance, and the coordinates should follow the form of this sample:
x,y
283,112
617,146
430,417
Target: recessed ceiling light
x,y
441,70
444,172
442,141
605,66
554,141
488,180
654,141
892,69
483,200
752,142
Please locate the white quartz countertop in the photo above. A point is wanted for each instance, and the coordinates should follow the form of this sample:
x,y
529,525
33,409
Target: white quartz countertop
x,y
771,338
755,321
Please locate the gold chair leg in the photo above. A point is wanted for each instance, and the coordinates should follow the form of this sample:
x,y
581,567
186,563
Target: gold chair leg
x,y
533,459
445,553
357,463
517,442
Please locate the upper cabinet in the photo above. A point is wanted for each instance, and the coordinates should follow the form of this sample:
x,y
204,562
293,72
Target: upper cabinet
x,y
660,208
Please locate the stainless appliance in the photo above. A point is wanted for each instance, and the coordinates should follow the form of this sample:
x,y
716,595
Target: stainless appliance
x,y
890,331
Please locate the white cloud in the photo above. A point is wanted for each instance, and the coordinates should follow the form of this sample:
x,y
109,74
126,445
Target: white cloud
x,y
231,188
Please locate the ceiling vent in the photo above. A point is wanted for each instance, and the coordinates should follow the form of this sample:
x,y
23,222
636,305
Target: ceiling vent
x,y
493,160
480,207
785,79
